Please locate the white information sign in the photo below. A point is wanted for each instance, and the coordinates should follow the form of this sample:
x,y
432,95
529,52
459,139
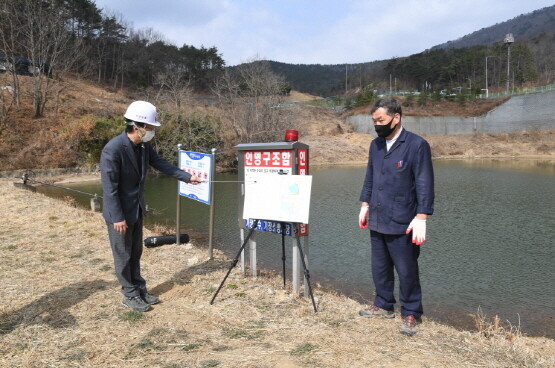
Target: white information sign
x,y
199,164
278,197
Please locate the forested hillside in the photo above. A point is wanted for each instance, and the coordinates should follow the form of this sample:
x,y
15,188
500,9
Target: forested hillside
x,y
459,64
50,38
458,70
52,51
523,27
328,80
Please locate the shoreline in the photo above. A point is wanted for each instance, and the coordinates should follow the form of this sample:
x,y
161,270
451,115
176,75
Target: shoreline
x,y
72,314
459,319
79,174
437,311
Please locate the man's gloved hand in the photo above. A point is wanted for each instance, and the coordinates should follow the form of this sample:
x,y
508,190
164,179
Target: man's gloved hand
x,y
363,217
418,228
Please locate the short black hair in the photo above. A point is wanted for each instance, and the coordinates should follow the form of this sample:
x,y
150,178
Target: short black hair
x,y
390,104
131,123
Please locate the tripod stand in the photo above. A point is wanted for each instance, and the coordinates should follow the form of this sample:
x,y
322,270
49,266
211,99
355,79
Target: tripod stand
x,y
236,259
306,272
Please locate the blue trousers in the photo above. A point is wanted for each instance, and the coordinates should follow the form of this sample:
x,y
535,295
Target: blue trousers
x,y
396,252
127,250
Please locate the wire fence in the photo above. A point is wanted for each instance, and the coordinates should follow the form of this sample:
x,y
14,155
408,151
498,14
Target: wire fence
x,y
518,91
337,101
25,178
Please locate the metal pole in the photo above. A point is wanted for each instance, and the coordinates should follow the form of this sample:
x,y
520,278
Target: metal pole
x,y
487,77
178,207
252,254
390,90
306,280
306,274
508,66
212,205
345,79
295,263
282,227
243,266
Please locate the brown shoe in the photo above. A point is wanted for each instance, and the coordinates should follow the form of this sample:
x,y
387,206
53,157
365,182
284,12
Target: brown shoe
x,y
375,311
408,327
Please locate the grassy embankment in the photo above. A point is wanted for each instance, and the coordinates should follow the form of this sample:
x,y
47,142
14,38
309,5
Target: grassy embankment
x,y
61,308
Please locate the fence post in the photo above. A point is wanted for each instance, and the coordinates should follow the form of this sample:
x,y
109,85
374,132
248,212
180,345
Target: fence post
x,y
178,207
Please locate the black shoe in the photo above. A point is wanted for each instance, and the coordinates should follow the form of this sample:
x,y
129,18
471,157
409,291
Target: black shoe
x,y
149,298
136,303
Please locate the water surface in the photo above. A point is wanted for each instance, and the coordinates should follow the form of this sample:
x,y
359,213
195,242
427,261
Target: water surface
x,y
491,238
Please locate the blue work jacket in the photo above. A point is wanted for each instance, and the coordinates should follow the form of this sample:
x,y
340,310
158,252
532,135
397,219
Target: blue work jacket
x,y
399,183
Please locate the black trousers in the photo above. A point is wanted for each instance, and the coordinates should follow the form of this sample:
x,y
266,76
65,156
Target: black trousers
x,y
397,252
127,250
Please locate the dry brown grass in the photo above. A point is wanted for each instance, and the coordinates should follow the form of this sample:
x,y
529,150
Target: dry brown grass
x,y
442,108
46,142
531,144
332,141
494,328
61,308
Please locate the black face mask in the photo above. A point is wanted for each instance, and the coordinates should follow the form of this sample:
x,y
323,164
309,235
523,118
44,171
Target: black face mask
x,y
384,130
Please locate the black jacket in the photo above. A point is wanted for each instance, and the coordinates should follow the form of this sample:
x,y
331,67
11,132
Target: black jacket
x,y
122,181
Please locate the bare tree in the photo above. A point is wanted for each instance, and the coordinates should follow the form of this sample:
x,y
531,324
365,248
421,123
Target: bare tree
x,y
227,89
9,35
174,84
251,97
6,100
44,38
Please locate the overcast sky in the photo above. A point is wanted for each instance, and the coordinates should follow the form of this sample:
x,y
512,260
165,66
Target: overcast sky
x,y
316,31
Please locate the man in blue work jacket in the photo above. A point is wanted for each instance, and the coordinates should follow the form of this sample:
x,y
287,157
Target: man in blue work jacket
x,y
397,196
124,166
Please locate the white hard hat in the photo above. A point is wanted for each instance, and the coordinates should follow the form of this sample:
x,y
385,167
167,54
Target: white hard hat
x,y
142,112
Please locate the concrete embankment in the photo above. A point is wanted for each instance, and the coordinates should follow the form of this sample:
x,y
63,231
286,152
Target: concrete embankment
x,y
528,112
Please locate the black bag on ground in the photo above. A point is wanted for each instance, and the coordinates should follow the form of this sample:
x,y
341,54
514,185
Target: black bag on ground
x,y
156,241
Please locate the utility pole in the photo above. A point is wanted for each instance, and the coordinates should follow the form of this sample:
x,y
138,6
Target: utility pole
x,y
509,39
487,86
390,91
345,80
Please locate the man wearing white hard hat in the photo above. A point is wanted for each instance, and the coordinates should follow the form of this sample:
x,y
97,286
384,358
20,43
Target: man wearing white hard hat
x,y
124,165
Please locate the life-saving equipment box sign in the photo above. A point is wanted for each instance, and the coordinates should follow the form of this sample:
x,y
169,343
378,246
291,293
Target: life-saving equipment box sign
x,y
199,164
260,161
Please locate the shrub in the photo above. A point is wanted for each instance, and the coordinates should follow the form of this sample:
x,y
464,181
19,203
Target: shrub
x,y
94,137
366,97
461,99
423,98
197,133
409,100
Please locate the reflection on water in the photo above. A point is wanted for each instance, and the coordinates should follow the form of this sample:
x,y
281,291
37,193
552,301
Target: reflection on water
x,y
490,239
542,167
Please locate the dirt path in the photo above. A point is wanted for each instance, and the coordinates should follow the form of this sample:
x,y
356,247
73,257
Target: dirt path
x,y
60,307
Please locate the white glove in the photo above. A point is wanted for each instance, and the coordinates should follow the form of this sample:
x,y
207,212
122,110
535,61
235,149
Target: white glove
x,y
363,217
418,228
